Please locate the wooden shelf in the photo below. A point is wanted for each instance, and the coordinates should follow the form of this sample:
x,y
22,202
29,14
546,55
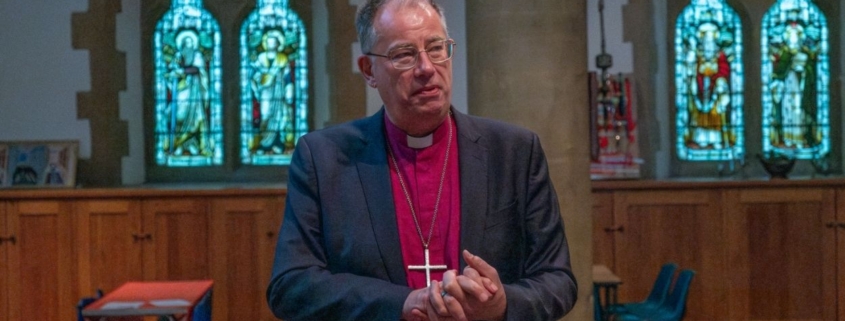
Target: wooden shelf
x,y
712,183
144,192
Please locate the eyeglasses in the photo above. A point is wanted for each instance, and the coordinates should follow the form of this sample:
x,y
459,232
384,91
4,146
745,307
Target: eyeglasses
x,y
404,58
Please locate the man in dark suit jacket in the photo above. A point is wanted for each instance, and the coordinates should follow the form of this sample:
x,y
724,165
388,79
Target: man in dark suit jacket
x,y
340,250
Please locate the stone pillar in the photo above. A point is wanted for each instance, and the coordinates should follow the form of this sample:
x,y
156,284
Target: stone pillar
x,y
527,66
348,98
109,134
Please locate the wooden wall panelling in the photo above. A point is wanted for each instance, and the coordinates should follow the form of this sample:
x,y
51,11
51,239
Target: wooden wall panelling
x,y
244,232
109,241
178,231
782,257
603,229
40,272
684,227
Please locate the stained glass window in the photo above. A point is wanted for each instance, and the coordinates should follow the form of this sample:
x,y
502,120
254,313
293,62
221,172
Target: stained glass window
x,y
274,84
709,82
188,122
796,106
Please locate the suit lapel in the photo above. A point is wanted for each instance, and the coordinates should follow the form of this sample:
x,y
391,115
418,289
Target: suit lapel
x,y
375,179
473,167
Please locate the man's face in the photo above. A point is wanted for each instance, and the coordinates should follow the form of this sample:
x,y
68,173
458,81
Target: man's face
x,y
417,99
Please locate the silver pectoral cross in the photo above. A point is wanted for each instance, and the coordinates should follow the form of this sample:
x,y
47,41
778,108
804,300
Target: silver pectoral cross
x,y
427,267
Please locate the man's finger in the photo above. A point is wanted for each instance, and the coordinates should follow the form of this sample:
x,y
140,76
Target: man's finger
x,y
474,288
452,295
481,266
438,304
452,286
419,315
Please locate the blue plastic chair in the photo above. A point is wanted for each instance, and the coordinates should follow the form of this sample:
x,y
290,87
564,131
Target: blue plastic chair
x,y
655,298
671,310
202,311
85,302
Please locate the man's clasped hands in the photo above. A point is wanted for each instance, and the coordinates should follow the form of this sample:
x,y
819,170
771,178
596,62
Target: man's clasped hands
x,y
475,294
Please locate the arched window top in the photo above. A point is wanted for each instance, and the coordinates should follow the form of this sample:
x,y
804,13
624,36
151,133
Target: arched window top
x,y
274,84
185,3
795,77
272,3
709,82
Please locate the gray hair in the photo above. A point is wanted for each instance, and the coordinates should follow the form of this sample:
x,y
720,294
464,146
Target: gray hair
x,y
365,20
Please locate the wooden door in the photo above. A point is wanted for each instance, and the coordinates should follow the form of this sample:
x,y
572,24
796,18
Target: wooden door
x,y
177,234
604,229
782,256
685,227
244,231
41,269
108,240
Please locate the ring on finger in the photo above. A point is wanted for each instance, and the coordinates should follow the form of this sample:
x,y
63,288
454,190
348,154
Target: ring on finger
x,y
443,294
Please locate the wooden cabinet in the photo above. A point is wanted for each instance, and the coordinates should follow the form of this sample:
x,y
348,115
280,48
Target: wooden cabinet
x,y
37,279
244,233
839,227
109,241
762,250
69,243
603,229
782,257
177,235
4,264
651,228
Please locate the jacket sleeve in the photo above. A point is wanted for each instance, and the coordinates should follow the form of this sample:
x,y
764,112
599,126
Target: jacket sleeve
x,y
547,289
302,287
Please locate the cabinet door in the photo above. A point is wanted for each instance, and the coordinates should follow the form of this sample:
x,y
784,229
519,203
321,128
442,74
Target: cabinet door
x,y
840,251
4,265
684,227
108,240
178,244
603,229
782,257
244,231
40,261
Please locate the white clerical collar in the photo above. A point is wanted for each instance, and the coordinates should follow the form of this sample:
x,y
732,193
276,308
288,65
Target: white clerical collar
x,y
420,142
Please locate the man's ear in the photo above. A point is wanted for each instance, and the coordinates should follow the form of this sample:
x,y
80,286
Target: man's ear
x,y
365,66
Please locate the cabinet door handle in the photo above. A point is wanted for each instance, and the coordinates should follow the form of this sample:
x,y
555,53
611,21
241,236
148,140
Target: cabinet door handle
x,y
270,234
842,224
830,225
140,237
612,229
12,239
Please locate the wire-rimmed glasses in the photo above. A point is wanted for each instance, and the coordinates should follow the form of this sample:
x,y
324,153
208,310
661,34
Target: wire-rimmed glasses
x,y
404,58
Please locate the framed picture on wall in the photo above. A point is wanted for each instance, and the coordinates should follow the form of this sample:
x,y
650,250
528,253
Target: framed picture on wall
x,y
38,164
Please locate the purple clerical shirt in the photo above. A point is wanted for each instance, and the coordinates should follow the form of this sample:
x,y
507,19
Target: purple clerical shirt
x,y
421,171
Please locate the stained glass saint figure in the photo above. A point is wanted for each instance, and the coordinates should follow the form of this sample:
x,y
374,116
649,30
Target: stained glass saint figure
x,y
274,86
795,78
708,82
188,108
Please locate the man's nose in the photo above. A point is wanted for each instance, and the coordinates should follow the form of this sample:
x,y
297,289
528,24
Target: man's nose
x,y
424,64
